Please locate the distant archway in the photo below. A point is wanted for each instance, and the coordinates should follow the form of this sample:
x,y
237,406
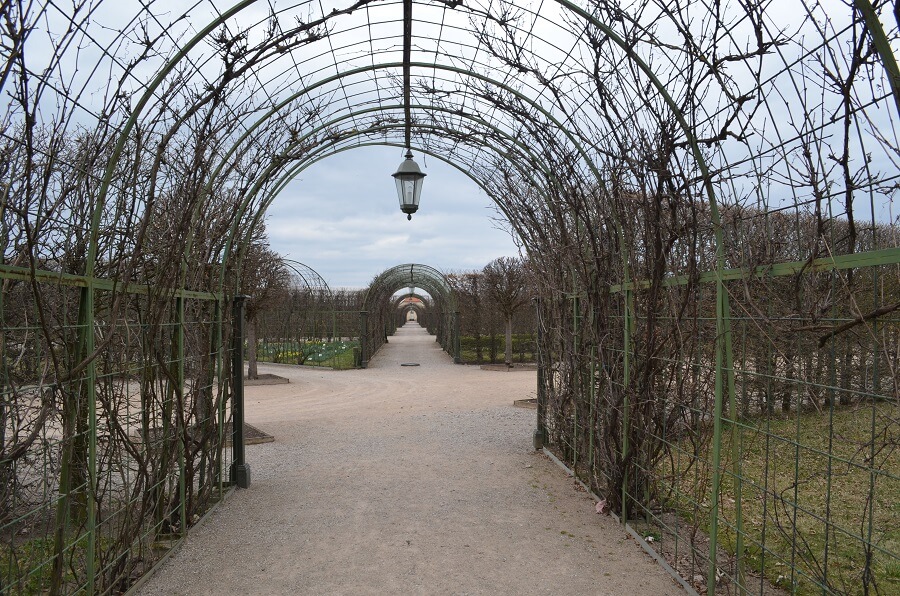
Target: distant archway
x,y
411,306
379,317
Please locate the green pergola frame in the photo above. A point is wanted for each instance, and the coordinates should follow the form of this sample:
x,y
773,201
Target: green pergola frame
x,y
493,142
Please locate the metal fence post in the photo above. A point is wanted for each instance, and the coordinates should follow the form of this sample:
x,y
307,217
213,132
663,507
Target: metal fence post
x,y
240,471
540,433
578,390
724,384
220,382
179,415
626,402
91,380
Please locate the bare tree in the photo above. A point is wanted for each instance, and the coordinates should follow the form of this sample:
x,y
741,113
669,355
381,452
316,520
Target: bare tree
x,y
505,281
264,275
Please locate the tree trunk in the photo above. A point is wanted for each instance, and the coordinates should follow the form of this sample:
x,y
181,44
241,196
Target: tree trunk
x,y
479,355
492,350
846,374
789,380
252,372
508,346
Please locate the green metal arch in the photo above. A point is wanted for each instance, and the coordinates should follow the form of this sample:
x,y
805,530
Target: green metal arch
x,y
374,68
245,3
260,212
403,297
612,35
377,301
313,159
884,51
409,274
421,310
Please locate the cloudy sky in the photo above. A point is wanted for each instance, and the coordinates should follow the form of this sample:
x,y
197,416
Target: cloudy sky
x,y
342,218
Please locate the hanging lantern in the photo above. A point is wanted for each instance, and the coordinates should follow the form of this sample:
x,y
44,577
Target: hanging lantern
x,y
409,185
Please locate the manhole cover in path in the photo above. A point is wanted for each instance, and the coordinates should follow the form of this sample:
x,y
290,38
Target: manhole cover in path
x,y
410,364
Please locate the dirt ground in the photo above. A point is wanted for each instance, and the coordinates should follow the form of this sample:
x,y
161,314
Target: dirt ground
x,y
404,480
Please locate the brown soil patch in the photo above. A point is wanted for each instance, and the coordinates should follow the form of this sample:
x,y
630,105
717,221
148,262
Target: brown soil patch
x,y
252,435
517,367
266,379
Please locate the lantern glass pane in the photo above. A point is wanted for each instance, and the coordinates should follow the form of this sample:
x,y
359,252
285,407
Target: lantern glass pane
x,y
399,189
417,193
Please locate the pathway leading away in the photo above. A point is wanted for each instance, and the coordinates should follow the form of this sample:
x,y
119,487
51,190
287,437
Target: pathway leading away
x,y
404,480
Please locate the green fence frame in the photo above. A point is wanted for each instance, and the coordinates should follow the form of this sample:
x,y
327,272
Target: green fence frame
x,y
726,485
78,535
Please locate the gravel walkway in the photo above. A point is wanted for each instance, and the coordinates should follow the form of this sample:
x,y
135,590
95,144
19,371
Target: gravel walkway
x,y
404,480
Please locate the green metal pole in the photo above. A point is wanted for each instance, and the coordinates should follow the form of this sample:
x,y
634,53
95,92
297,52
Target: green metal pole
x,y
626,405
363,338
736,442
882,45
84,347
717,440
220,383
540,433
592,394
576,376
240,471
179,414
91,380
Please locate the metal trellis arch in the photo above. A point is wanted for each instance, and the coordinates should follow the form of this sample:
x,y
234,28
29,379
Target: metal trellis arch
x,y
707,196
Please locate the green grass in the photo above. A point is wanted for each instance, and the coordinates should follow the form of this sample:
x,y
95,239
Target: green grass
x,y
523,348
339,355
27,567
832,504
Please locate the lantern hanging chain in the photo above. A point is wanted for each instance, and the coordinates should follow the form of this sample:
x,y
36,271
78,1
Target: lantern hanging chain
x,y
407,53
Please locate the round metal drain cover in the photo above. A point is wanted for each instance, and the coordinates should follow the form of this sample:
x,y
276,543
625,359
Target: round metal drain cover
x,y
410,364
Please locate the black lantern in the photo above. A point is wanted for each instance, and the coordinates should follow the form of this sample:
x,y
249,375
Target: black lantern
x,y
409,185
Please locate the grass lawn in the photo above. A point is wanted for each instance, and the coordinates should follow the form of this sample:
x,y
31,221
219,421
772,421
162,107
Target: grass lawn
x,y
796,499
339,355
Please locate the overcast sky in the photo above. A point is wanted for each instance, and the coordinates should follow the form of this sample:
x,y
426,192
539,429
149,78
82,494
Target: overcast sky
x,y
342,218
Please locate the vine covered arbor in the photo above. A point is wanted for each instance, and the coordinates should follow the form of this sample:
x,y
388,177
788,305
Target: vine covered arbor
x,y
381,315
705,191
303,321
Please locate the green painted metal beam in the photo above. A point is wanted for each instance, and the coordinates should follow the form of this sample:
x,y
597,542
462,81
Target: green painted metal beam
x,y
84,281
882,46
874,258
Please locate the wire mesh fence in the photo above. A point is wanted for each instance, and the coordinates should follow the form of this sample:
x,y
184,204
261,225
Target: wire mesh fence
x,y
755,450
113,431
314,338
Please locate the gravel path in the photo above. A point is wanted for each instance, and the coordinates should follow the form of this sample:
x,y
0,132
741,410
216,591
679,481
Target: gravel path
x,y
404,480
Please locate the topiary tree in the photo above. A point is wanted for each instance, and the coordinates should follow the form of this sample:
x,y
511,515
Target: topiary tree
x,y
505,281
